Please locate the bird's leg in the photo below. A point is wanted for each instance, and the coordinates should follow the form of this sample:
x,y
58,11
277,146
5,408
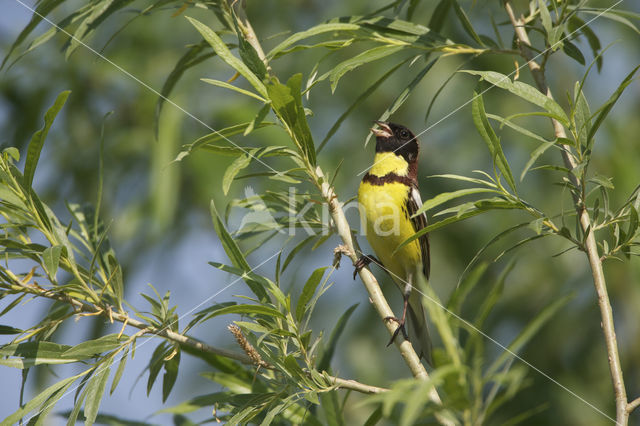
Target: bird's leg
x,y
364,261
401,322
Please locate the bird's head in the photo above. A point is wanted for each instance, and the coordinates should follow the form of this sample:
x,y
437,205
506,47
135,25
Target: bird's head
x,y
391,137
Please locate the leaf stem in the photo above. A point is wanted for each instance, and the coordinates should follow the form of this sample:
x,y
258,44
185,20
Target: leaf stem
x,y
590,244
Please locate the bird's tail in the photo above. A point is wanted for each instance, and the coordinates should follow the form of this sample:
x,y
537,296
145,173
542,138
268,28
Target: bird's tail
x,y
418,329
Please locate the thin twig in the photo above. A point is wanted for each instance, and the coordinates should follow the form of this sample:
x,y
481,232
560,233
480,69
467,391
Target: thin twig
x,y
590,244
633,405
81,307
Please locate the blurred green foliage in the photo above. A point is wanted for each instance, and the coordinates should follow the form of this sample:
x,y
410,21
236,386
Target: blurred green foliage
x,y
149,201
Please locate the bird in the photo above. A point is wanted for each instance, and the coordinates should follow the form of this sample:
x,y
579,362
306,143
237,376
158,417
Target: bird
x,y
389,198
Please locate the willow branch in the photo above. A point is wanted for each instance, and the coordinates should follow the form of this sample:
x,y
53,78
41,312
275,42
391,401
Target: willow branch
x,y
590,243
373,288
81,307
633,405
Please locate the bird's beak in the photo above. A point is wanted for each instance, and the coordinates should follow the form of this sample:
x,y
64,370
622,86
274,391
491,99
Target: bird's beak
x,y
384,131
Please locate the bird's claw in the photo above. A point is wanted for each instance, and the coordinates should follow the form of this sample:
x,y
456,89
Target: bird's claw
x,y
362,262
400,328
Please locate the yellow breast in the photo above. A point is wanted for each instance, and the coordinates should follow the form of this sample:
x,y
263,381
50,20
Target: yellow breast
x,y
383,208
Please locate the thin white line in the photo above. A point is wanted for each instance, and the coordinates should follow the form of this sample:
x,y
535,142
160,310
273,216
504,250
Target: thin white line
x,y
143,84
166,327
493,85
485,335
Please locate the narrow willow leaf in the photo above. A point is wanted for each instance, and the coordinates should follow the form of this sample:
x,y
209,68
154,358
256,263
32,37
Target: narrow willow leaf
x,y
119,371
358,101
406,92
604,110
490,138
43,9
257,120
464,287
223,51
363,58
545,17
313,31
246,310
534,156
577,24
448,196
507,122
96,346
439,16
234,253
95,390
295,251
206,142
192,57
170,375
287,104
201,401
332,343
248,53
466,24
307,292
226,85
51,259
524,91
573,52
37,140
234,168
527,333
331,408
40,398
99,11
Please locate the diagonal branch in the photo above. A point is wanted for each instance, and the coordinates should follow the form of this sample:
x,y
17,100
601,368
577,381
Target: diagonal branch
x,y
590,243
81,307
373,288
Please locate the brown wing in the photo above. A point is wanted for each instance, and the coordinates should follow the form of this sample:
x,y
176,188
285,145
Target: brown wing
x,y
419,222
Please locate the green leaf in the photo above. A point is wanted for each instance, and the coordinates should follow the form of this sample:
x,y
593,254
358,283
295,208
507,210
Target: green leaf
x,y
308,291
404,94
466,24
226,85
247,52
295,251
37,140
363,58
332,343
287,104
42,10
223,51
604,110
95,390
118,375
51,259
527,333
206,142
193,56
246,310
170,375
363,96
96,346
233,252
40,398
234,168
331,408
7,329
573,52
524,91
439,16
313,31
490,138
545,18
448,196
534,156
507,122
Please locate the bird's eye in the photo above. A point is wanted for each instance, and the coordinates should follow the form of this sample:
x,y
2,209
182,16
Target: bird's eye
x,y
404,134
